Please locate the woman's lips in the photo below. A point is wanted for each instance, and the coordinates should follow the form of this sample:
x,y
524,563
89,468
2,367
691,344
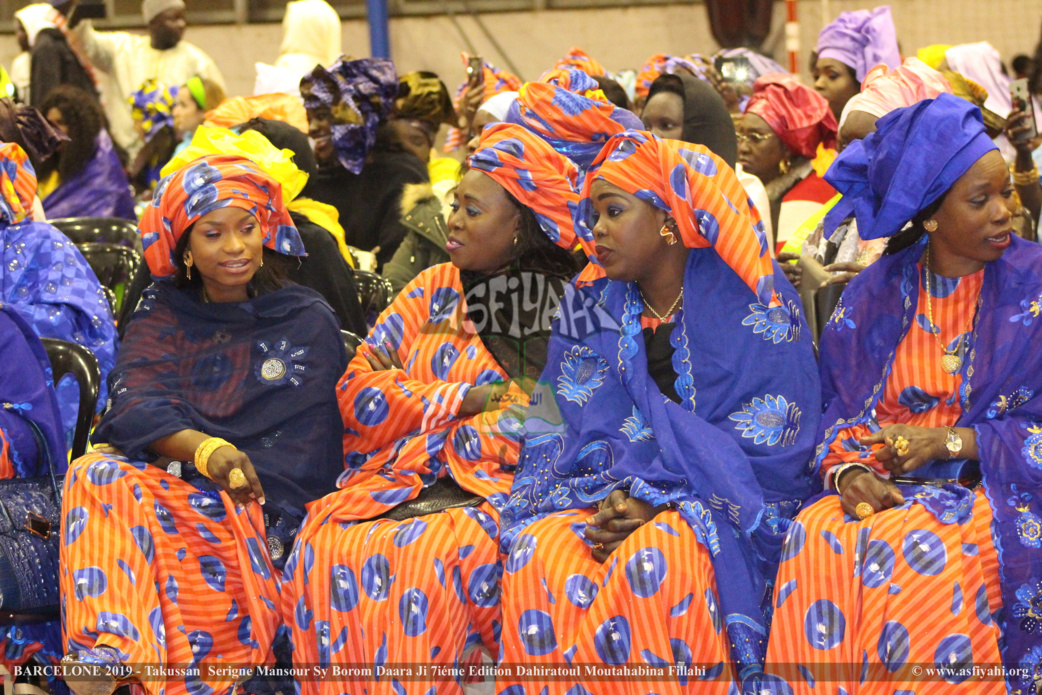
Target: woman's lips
x,y
239,266
453,244
1002,241
603,254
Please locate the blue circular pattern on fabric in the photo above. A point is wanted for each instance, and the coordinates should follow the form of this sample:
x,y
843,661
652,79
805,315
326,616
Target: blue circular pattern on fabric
x,y
612,640
521,553
824,625
878,565
443,303
412,610
513,690
165,519
155,621
376,577
143,538
580,590
208,505
483,586
485,521
258,560
116,624
894,646
409,532
343,588
104,472
708,225
444,358
794,541
75,521
536,630
467,442
390,330
213,571
954,658
924,552
645,571
488,376
371,406
775,685
89,581
201,642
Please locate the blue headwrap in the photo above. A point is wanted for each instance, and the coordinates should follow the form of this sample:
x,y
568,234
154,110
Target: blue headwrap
x,y
912,159
359,94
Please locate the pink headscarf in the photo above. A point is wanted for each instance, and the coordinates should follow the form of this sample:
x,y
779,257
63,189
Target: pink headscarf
x,y
884,90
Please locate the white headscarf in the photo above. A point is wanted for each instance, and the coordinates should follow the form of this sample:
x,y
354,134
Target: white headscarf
x,y
498,105
310,35
35,18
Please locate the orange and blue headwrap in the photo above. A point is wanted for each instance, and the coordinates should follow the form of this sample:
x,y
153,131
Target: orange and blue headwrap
x,y
581,60
17,184
537,176
359,94
209,183
698,190
912,159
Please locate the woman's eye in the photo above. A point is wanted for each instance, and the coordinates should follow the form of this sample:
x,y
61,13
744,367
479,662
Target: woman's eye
x,y
979,201
454,206
472,211
613,211
1007,192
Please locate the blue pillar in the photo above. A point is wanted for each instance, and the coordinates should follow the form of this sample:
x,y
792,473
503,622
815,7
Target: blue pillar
x,y
379,36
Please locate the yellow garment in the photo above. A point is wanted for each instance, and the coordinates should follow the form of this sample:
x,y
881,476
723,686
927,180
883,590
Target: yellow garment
x,y
933,55
444,176
46,186
803,232
327,217
276,107
823,160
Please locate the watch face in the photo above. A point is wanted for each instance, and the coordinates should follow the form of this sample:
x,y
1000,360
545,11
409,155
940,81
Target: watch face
x,y
954,444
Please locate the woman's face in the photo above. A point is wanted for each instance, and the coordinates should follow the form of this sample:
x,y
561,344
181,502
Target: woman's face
x,y
226,248
320,130
187,114
21,34
760,150
481,119
626,231
834,81
975,221
413,137
664,115
56,118
483,225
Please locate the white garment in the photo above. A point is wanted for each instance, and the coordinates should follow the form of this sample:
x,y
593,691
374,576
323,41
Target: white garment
x,y
35,18
758,194
21,73
310,36
273,80
129,60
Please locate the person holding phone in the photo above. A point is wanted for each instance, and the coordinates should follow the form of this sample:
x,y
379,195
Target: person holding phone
x,y
1022,130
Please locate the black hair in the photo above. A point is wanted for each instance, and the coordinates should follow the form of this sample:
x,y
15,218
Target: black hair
x,y
614,92
268,278
535,251
84,119
912,234
850,70
1021,64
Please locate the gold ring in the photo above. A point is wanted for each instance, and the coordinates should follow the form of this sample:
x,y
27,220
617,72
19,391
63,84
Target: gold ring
x,y
236,478
864,510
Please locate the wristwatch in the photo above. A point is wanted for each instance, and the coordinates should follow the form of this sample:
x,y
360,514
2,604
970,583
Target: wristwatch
x,y
953,443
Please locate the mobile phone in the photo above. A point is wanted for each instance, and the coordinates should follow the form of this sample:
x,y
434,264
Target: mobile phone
x,y
735,70
90,9
475,72
1021,97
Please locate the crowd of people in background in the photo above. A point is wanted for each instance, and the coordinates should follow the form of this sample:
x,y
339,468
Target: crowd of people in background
x,y
605,421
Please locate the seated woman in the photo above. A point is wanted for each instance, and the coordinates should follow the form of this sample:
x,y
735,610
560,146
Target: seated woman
x,y
401,565
778,136
86,178
695,413
854,43
47,281
226,368
151,107
930,371
194,100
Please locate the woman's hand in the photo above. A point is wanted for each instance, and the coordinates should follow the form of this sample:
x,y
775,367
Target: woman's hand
x,y
468,107
793,272
482,398
221,463
725,89
382,359
861,486
844,272
1018,125
906,448
618,516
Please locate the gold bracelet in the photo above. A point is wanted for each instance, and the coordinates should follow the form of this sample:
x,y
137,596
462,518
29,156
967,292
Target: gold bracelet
x,y
1025,178
204,450
843,468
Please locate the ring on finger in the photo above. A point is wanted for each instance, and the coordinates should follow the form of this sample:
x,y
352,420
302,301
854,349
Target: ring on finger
x,y
236,478
864,510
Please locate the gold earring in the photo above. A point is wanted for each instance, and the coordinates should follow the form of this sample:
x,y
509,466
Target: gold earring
x,y
667,233
188,265
515,242
784,165
262,262
930,225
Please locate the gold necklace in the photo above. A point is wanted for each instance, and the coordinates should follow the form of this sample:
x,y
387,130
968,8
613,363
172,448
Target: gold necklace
x,y
950,360
669,311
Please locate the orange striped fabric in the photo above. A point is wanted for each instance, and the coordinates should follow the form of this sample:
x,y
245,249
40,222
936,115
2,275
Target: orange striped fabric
x,y
165,574
578,58
700,192
561,607
862,605
918,391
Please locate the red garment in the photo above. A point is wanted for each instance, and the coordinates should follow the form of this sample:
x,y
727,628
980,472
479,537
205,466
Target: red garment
x,y
796,113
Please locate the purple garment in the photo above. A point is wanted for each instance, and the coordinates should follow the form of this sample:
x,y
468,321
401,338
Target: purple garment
x,y
100,190
1001,399
862,40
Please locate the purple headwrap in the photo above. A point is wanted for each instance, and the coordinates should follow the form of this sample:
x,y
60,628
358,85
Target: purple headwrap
x,y
862,40
359,94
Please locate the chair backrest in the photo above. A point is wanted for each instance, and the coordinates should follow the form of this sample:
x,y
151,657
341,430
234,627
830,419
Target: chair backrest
x,y
87,230
114,265
826,299
351,343
72,358
375,294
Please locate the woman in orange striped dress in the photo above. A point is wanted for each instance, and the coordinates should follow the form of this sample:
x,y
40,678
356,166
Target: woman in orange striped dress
x,y
167,570
401,566
656,484
925,564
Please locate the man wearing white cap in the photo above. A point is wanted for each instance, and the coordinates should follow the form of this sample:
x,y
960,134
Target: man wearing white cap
x,y
130,59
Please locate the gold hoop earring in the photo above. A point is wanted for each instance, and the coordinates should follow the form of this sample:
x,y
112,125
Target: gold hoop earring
x,y
784,166
668,234
930,225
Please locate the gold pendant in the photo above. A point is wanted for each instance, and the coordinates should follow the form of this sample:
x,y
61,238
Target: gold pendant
x,y
951,364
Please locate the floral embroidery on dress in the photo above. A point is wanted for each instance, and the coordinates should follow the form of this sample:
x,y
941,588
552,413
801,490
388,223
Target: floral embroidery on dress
x,y
1032,308
635,427
770,419
776,323
1028,608
1032,450
581,373
1006,404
